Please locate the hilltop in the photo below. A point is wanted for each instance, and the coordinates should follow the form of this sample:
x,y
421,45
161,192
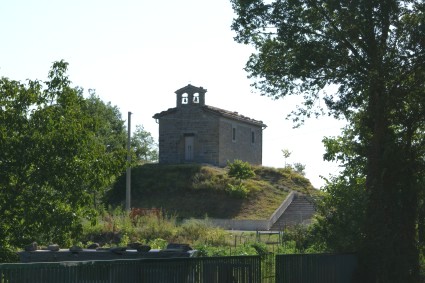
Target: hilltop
x,y
197,191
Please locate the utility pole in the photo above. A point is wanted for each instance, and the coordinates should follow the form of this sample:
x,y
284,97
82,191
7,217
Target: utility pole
x,y
128,175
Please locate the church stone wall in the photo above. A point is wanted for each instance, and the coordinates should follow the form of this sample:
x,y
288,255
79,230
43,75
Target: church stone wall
x,y
189,121
214,136
241,146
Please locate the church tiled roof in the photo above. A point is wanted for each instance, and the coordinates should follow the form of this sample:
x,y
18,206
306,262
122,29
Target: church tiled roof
x,y
234,115
164,113
218,111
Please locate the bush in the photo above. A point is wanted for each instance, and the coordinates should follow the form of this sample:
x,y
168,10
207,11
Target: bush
x,y
117,228
239,191
193,230
200,231
301,236
8,254
240,170
158,243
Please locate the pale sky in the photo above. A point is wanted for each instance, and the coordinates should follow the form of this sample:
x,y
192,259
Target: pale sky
x,y
136,53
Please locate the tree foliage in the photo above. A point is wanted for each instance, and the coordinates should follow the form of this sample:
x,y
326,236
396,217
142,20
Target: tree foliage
x,y
373,52
240,170
143,146
340,218
108,124
299,168
53,158
286,154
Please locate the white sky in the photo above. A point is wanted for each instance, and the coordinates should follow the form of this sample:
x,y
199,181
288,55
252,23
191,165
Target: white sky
x,y
136,53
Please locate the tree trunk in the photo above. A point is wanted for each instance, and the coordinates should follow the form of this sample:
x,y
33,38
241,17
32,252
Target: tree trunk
x,y
389,252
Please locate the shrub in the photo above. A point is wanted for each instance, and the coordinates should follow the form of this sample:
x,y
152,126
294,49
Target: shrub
x,y
240,170
239,191
158,243
201,231
193,229
8,254
150,227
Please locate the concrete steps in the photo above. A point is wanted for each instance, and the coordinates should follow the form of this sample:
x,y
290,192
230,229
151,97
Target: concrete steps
x,y
300,211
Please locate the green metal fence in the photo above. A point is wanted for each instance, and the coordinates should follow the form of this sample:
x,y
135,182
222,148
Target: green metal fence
x,y
305,268
268,268
242,269
317,268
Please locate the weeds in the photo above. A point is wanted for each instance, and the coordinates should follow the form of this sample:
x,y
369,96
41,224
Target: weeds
x,y
115,227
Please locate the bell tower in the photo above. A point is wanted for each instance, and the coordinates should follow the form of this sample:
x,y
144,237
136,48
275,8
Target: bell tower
x,y
190,95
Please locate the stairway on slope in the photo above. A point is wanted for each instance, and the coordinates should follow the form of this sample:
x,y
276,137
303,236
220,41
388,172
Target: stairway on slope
x,y
300,211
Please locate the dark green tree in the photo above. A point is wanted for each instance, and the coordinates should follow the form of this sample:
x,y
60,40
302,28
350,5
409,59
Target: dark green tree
x,y
108,125
109,130
52,160
373,52
143,145
340,218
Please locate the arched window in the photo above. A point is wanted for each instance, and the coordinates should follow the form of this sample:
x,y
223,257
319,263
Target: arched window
x,y
185,98
196,98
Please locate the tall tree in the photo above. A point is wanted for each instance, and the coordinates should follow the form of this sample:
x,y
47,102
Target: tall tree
x,y
339,225
373,51
108,124
143,146
51,160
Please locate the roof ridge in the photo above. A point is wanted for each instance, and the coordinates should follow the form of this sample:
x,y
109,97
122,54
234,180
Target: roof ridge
x,y
234,115
225,113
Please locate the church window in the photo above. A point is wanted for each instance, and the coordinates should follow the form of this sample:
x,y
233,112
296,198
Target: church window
x,y
196,98
185,98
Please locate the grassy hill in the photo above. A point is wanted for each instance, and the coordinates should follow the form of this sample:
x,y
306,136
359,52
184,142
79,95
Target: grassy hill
x,y
202,190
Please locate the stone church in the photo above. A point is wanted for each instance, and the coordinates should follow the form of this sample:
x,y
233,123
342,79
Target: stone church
x,y
193,132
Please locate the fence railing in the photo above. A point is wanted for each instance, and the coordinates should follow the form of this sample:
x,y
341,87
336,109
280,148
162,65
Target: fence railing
x,y
318,268
244,269
300,268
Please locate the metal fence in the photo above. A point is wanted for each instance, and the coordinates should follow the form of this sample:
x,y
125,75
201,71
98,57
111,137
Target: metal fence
x,y
300,268
243,269
268,268
317,268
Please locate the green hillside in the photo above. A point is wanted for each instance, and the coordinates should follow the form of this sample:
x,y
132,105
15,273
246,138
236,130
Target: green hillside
x,y
201,190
